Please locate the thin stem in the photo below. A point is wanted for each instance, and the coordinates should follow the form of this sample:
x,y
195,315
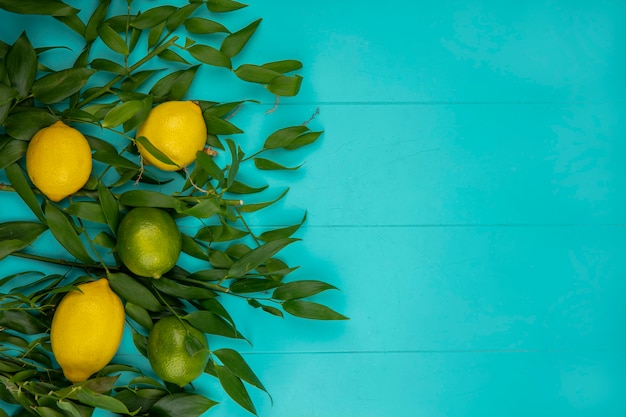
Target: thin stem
x,y
63,262
106,88
245,224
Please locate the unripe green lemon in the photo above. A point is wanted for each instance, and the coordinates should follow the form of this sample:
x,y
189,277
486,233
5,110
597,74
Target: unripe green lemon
x,y
168,354
148,241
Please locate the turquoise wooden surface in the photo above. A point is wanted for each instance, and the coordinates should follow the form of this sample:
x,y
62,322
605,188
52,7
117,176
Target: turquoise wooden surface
x,y
468,197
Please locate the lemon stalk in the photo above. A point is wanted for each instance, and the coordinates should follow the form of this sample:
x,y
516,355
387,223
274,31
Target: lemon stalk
x,y
107,87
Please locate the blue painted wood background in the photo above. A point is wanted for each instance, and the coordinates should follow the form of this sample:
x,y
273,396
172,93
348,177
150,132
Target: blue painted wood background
x,y
468,197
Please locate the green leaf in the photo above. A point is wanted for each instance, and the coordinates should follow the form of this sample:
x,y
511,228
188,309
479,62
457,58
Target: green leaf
x,y
285,86
284,66
95,20
24,124
252,285
181,404
112,39
223,6
178,17
249,208
110,207
169,55
234,43
42,7
258,256
7,94
204,26
235,388
209,55
132,290
236,156
12,151
152,17
238,187
301,289
21,321
310,310
283,137
104,64
17,235
193,248
102,401
218,126
87,210
135,80
140,116
266,164
256,74
115,160
211,323
210,166
60,85
65,233
121,113
146,198
186,292
18,180
143,141
139,314
21,62
281,232
206,208
303,140
232,360
181,84
155,34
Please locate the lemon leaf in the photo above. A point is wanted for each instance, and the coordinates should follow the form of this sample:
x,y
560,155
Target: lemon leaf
x,y
301,289
17,235
248,208
24,124
234,43
102,401
145,142
18,180
283,66
232,360
43,7
182,405
252,285
121,113
234,388
21,64
58,86
65,233
147,198
110,207
258,256
209,55
286,86
267,164
112,39
186,292
132,290
311,310
204,26
152,17
211,323
179,16
223,6
11,150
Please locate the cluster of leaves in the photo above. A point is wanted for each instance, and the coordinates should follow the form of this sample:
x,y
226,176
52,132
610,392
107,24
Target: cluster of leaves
x,y
237,262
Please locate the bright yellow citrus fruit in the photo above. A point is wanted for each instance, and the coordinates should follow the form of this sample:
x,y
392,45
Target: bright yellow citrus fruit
x,y
148,241
177,129
168,354
58,160
87,329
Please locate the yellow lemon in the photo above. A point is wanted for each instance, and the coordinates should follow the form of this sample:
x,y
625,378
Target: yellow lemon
x,y
58,160
168,354
148,241
177,129
87,329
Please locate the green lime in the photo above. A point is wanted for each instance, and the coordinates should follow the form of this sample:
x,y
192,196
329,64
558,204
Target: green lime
x,y
169,345
148,241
